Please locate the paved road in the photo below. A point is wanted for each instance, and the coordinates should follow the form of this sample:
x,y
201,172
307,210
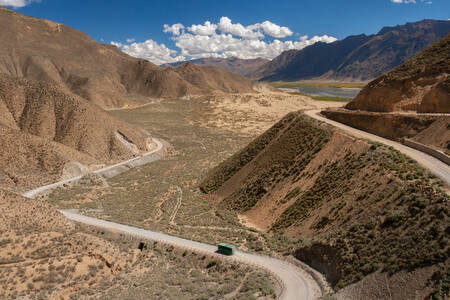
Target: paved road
x,y
434,165
296,284
108,171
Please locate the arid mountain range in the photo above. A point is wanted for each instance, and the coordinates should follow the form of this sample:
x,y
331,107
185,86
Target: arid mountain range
x,y
236,65
355,58
42,50
54,82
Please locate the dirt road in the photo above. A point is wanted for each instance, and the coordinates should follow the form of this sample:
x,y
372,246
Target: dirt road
x,y
108,171
434,165
296,283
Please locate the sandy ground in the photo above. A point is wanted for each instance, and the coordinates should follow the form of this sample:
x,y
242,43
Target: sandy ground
x,y
252,114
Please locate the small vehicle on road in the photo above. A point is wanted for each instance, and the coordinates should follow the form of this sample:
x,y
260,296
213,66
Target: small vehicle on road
x,y
226,249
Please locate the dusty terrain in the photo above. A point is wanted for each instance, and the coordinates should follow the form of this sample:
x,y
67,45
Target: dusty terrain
x,y
45,256
45,129
251,114
47,51
166,196
359,207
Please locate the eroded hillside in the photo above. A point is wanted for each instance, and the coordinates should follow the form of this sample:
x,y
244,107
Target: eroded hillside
x,y
43,128
362,209
421,85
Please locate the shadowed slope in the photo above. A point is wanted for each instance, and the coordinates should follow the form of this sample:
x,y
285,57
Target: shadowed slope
x,y
356,58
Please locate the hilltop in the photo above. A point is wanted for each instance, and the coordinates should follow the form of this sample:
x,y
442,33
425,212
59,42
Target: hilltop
x,y
47,51
355,58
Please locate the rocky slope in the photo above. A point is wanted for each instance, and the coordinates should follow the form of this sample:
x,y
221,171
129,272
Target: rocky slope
x,y
236,65
42,50
388,105
422,84
356,58
43,127
368,216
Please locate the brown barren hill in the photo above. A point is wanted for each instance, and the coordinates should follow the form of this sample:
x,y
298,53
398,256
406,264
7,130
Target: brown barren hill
x,y
43,255
365,215
236,65
43,127
421,85
43,50
214,79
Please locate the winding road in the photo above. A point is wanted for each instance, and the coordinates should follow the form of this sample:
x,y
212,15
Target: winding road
x,y
296,283
108,171
434,165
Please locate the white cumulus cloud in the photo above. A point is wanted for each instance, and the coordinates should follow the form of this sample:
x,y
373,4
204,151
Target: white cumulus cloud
x,y
150,50
16,3
206,29
224,39
249,32
175,29
274,30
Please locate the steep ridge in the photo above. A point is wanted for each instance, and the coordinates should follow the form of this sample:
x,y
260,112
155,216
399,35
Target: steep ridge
x,y
43,127
356,58
236,65
42,50
363,210
422,84
407,102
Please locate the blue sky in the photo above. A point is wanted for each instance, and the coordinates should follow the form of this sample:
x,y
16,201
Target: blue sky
x,y
144,20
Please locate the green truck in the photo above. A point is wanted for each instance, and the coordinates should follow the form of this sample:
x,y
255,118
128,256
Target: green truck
x,y
226,249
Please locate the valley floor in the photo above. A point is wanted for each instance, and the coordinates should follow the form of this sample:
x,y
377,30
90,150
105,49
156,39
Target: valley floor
x,y
164,196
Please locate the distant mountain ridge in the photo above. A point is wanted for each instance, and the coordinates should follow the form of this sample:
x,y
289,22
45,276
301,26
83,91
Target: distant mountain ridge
x,y
355,58
236,65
